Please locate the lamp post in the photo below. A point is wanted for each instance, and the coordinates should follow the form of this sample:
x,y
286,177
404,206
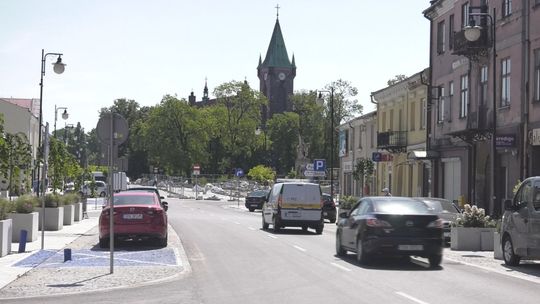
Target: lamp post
x,y
58,69
65,116
331,137
472,34
258,132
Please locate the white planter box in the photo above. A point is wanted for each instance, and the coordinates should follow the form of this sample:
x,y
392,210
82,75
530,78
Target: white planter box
x,y
69,214
497,249
25,221
54,218
472,239
78,212
6,227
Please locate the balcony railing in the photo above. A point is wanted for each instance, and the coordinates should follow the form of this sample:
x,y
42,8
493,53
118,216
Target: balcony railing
x,y
392,140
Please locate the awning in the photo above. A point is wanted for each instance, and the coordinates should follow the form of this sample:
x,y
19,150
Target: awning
x,y
421,154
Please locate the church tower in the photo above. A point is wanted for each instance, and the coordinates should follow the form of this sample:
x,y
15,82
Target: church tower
x,y
276,75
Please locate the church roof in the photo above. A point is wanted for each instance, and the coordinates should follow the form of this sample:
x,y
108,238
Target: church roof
x,y
276,56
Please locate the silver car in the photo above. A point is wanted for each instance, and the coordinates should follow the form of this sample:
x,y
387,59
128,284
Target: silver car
x,y
520,229
447,211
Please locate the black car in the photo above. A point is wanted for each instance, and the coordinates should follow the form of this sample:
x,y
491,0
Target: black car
x,y
390,226
256,199
329,208
445,209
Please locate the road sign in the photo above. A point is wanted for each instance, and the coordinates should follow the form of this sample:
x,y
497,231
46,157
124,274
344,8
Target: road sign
x,y
120,129
239,172
196,169
311,173
319,165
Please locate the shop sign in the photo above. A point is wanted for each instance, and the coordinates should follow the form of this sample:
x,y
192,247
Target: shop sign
x,y
505,141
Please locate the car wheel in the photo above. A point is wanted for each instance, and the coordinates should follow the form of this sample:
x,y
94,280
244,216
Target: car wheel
x,y
339,249
319,229
361,256
304,228
275,224
162,242
251,209
332,220
435,260
510,258
102,194
264,223
103,243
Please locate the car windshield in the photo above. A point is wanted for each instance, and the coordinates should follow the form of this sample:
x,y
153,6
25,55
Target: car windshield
x,y
258,193
401,207
133,200
441,206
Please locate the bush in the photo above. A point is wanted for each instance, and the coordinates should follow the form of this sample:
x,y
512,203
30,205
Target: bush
x,y
25,204
52,200
5,208
347,202
473,216
70,199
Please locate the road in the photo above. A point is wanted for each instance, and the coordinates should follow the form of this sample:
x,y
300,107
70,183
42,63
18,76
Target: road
x,y
233,261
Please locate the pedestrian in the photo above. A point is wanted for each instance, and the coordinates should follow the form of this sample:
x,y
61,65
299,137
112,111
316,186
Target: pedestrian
x,y
386,192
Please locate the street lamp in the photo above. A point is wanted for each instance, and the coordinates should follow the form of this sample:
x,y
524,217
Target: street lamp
x,y
65,116
331,137
58,69
472,33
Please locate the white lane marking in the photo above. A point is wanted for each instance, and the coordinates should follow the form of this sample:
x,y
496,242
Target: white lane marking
x,y
271,236
237,223
411,297
299,248
251,228
513,275
341,267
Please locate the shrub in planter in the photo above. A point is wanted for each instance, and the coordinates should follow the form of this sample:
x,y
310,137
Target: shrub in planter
x,y
26,204
70,198
473,216
347,202
52,200
5,208
473,230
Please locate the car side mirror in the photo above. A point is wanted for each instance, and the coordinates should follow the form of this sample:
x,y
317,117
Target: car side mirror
x,y
165,206
508,205
162,197
344,215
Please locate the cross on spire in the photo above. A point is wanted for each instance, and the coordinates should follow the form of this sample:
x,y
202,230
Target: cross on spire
x,y
277,10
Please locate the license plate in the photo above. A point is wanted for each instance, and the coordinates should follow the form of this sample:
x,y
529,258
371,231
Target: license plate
x,y
130,216
293,214
410,247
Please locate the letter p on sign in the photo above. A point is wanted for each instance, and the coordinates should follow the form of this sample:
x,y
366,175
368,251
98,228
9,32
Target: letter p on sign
x,y
319,165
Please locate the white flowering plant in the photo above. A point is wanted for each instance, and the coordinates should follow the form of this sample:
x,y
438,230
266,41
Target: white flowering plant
x,y
473,216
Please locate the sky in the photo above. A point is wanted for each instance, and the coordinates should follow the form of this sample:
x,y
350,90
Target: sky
x,y
143,50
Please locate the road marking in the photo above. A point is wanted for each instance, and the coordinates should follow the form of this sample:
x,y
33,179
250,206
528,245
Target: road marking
x,y
251,228
271,236
341,267
410,297
299,248
237,223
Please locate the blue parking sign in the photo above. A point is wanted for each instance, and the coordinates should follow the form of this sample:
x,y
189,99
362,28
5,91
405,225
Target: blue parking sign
x,y
319,165
239,172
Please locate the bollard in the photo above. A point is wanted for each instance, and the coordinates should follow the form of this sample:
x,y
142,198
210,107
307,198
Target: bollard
x,y
22,241
67,254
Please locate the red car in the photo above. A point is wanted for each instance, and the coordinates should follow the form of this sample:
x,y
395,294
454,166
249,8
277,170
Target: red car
x,y
137,215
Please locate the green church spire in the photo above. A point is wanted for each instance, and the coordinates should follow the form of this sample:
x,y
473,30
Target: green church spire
x,y
276,56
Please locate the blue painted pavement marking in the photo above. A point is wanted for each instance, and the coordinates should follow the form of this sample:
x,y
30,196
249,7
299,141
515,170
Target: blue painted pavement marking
x,y
90,258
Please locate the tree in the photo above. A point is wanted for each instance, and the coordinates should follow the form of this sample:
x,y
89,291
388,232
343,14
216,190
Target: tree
x,y
283,131
15,160
310,115
262,174
363,170
396,79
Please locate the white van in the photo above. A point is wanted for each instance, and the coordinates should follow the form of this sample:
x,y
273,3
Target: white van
x,y
294,204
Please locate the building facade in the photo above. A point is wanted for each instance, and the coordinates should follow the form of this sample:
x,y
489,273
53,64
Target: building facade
x,y
484,111
358,139
402,161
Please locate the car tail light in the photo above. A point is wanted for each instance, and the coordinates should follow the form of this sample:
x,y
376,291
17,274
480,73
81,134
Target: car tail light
x,y
375,222
106,213
438,223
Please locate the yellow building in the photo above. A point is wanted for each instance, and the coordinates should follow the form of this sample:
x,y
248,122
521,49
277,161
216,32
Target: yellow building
x,y
401,138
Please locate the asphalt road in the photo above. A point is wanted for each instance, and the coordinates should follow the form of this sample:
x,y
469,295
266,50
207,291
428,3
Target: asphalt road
x,y
233,260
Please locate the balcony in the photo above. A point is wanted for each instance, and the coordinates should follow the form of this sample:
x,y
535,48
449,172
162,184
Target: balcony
x,y
477,127
472,49
393,141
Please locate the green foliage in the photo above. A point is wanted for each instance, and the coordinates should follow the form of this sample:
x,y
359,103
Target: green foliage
x,y
283,131
261,174
52,200
26,204
70,198
364,168
347,202
5,208
15,160
473,216
292,173
516,187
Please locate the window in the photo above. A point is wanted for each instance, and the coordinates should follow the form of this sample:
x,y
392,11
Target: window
x,y
413,117
537,74
449,105
465,14
506,8
440,37
440,107
451,32
391,120
483,90
423,111
505,82
464,96
361,130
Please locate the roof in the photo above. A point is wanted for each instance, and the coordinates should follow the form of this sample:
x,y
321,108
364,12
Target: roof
x,y
276,55
31,104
